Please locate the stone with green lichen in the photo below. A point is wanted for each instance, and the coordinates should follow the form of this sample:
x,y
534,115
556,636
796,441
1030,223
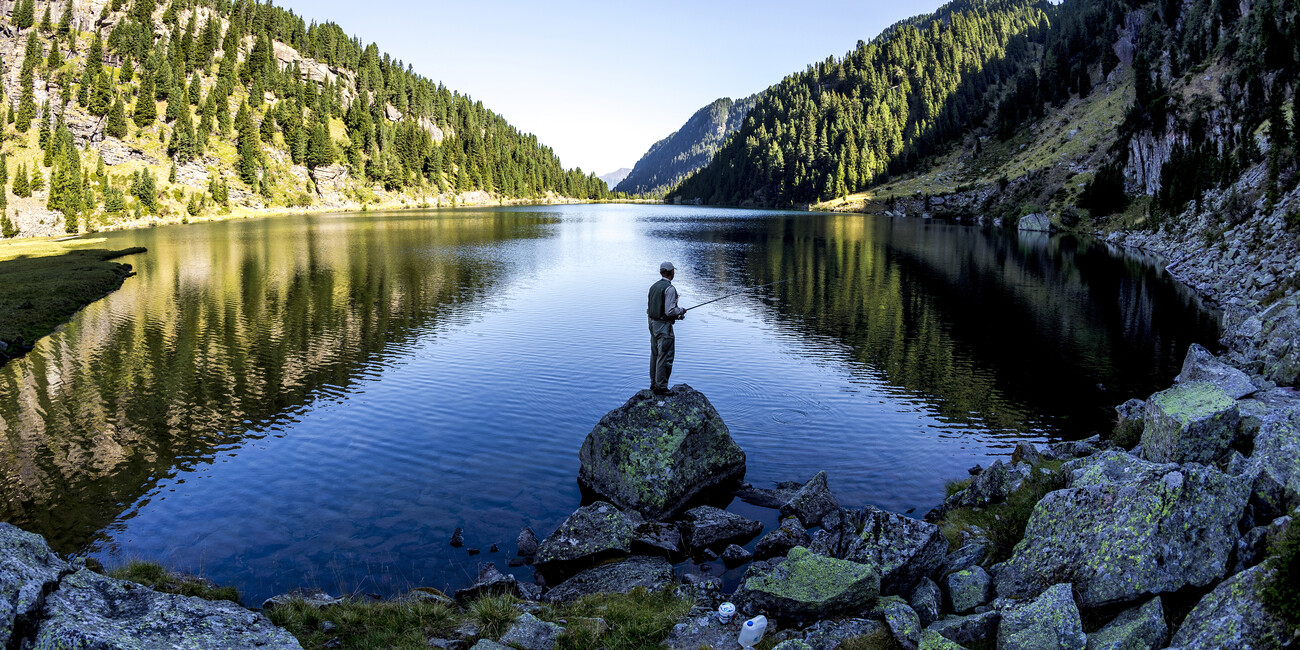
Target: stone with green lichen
x,y
1276,458
591,532
1125,528
1233,616
1139,628
1201,365
903,622
655,454
531,633
967,630
811,586
1050,621
1191,422
812,502
792,644
1128,423
931,640
28,568
903,549
968,589
652,573
831,633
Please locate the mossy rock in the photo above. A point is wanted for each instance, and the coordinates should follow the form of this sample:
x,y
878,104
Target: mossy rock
x,y
809,586
1192,422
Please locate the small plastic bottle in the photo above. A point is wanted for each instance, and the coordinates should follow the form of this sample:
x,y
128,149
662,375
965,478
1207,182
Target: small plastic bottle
x,y
752,631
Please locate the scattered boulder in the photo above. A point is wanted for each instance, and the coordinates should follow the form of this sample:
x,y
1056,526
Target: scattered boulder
x,y
89,610
1125,528
526,542
653,573
903,622
1201,365
735,556
1191,422
792,644
1037,222
1128,423
829,634
29,570
931,640
812,502
1049,621
1276,458
531,633
591,533
488,644
654,538
490,582
311,597
926,600
703,631
656,454
967,630
808,586
1233,615
990,486
1140,627
1026,452
972,553
780,540
768,497
968,589
1070,449
903,549
709,527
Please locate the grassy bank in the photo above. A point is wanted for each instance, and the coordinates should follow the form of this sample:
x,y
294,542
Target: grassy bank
x,y
44,282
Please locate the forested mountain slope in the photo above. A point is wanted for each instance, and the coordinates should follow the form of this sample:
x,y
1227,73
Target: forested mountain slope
x,y
138,110
691,147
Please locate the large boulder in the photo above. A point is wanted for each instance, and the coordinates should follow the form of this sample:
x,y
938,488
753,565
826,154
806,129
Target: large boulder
x,y
832,633
709,527
1125,528
655,454
1276,459
1201,365
1037,222
903,549
1234,616
969,630
29,570
653,573
902,620
593,532
927,601
90,610
1140,627
808,586
812,502
1128,423
968,589
1050,621
1268,343
1192,422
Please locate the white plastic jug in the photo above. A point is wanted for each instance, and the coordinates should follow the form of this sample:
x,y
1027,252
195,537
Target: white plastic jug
x,y
752,631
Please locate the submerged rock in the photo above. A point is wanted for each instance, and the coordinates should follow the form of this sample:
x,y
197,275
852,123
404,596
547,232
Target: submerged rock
x,y
812,502
1139,627
526,542
1233,615
709,527
653,573
1201,365
591,533
808,586
1126,528
656,454
654,538
1191,422
903,549
1050,621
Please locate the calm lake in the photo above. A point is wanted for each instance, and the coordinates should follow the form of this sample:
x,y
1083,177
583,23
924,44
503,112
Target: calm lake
x,y
322,400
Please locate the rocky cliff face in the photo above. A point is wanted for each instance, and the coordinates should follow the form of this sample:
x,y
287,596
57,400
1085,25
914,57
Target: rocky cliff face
x,y
689,148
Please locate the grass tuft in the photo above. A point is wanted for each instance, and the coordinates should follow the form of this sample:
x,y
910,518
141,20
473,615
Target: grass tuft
x,y
494,614
1282,595
1006,521
151,574
639,620
363,625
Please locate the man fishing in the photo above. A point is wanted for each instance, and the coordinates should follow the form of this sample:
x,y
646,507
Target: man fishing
x,y
662,310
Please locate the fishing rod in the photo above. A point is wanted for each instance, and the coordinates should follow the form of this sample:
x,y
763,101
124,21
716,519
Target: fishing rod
x,y
737,293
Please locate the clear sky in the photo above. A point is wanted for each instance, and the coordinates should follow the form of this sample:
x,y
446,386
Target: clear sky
x,y
601,81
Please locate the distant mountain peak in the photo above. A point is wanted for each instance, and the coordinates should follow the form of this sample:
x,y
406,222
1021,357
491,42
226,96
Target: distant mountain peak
x,y
687,149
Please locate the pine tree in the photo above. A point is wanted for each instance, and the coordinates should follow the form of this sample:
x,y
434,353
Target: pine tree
x,y
195,90
101,96
127,73
7,227
171,175
146,111
22,186
248,145
26,104
65,21
38,181
116,125
24,14
55,60
47,25
4,171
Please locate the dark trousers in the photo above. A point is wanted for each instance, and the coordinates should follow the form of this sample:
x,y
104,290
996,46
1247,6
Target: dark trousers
x,y
662,344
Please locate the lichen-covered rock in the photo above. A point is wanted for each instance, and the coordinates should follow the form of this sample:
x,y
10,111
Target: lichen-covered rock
x,y
1125,528
811,586
1269,342
1191,422
972,553
653,573
28,571
990,486
655,454
829,634
1253,546
931,640
903,549
90,610
1128,423
1201,365
903,622
591,533
736,555
792,644
967,630
490,582
654,538
488,644
1068,449
1139,628
926,600
1233,615
968,589
1049,621
708,527
812,502
531,633
702,631
1026,452
310,596
780,540
1276,459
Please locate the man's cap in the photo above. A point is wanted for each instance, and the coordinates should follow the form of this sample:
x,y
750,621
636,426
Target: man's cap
x,y
666,267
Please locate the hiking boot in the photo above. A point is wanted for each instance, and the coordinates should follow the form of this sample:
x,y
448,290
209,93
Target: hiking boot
x,y
664,391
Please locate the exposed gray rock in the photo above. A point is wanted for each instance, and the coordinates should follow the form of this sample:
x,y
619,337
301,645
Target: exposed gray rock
x,y
654,538
990,486
903,623
1191,422
780,540
1201,365
1255,543
926,601
968,589
1049,621
1125,528
903,549
735,555
29,571
1276,460
709,527
526,542
1269,342
808,586
90,610
703,631
592,532
1026,452
972,553
812,502
1037,222
767,497
1233,615
653,573
829,634
490,582
488,644
655,454
1134,629
1128,423
792,644
531,633
967,630
931,640
1068,449
310,596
